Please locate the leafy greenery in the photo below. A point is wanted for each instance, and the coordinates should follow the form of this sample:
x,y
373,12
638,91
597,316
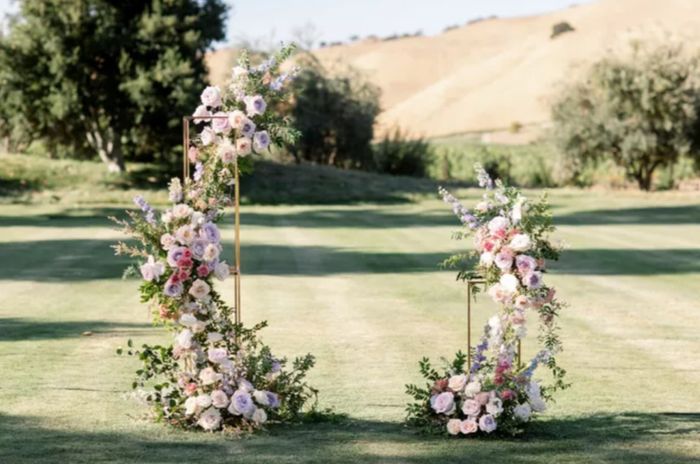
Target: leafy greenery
x,y
335,111
105,78
637,107
398,154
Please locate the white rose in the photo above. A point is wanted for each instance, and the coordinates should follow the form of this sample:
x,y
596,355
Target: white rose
x,y
167,217
498,223
494,407
537,404
226,152
210,419
457,382
211,96
522,412
191,405
453,426
236,118
188,320
261,398
199,289
181,211
168,241
259,416
217,355
509,283
211,252
243,146
520,242
184,339
486,259
198,218
201,114
203,401
219,399
209,376
221,271
185,234
472,388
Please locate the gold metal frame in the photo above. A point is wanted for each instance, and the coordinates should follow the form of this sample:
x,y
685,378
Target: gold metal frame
x,y
472,283
236,268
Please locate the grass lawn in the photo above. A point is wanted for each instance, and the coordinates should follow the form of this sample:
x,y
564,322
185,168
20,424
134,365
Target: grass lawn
x,y
358,286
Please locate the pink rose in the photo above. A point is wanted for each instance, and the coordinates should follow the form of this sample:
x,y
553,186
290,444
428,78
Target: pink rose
x,y
482,398
468,426
507,395
221,124
203,270
190,389
193,154
471,408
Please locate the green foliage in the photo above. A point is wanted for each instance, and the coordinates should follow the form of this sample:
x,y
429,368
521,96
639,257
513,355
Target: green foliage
x,y
399,155
636,108
105,78
335,114
531,165
561,28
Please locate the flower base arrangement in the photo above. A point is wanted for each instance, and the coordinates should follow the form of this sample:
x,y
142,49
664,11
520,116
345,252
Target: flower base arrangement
x,y
496,394
217,374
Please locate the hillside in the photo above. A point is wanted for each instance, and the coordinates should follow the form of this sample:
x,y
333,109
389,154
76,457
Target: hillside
x,y
485,76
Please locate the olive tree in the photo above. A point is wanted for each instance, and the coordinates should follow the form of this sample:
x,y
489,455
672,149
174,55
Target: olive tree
x,y
637,107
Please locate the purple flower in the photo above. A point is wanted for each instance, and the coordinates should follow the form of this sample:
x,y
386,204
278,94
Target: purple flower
x,y
487,423
261,141
173,289
533,280
148,212
273,400
198,171
241,403
247,127
443,403
255,105
211,232
198,247
175,254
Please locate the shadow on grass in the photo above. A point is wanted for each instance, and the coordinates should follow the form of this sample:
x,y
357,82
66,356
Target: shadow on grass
x,y
367,218
79,260
622,438
689,214
605,261
18,329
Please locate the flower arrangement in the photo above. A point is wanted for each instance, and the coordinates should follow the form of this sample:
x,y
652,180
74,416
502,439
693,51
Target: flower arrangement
x,y
216,374
496,392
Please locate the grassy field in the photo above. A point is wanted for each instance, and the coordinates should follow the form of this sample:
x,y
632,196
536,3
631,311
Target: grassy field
x,y
358,286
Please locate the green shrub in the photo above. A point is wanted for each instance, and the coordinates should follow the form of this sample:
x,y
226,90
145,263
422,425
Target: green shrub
x,y
561,28
335,114
398,155
522,165
636,109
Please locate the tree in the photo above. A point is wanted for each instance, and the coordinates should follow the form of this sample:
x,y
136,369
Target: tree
x,y
335,114
637,107
105,77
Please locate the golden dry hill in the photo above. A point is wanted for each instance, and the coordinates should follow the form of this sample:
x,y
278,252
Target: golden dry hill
x,y
485,76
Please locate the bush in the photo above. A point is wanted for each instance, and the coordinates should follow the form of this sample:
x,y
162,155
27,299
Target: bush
x,y
522,165
561,28
335,114
398,155
637,109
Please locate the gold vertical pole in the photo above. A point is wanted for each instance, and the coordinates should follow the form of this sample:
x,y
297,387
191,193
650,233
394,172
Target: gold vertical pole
x,y
469,326
185,148
237,245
